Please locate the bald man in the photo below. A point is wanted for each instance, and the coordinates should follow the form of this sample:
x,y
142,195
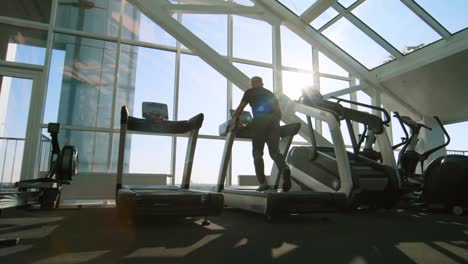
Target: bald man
x,y
266,127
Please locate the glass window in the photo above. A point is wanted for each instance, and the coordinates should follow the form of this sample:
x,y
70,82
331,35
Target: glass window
x,y
25,45
407,33
98,16
451,14
362,48
93,148
212,29
137,26
34,10
324,18
145,75
295,52
81,87
295,82
297,6
328,85
326,65
148,154
457,134
202,90
206,163
252,39
362,97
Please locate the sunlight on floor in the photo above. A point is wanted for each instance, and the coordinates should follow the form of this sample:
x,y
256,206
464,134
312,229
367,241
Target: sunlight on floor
x,y
436,251
282,250
173,252
73,257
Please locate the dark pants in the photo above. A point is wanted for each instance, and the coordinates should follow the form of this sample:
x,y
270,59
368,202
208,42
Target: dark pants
x,y
266,129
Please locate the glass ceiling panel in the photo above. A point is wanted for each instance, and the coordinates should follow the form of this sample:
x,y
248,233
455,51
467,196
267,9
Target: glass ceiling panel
x,y
407,33
346,3
297,6
357,44
451,14
326,16
212,29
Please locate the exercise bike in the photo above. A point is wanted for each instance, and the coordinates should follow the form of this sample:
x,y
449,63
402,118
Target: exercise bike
x,y
444,181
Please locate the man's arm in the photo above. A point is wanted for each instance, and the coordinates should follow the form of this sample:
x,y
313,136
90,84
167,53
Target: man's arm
x,y
239,109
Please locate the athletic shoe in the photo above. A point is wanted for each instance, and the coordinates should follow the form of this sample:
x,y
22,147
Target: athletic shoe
x,y
263,187
286,179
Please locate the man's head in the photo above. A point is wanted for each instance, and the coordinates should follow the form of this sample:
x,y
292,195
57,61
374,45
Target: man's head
x,y
256,82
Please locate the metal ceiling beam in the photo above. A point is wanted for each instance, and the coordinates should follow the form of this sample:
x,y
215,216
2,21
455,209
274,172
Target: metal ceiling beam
x,y
316,10
346,91
156,11
215,9
328,48
421,13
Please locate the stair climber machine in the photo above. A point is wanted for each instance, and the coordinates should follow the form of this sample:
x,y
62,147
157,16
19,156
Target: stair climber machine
x,y
365,182
44,191
162,200
444,182
271,203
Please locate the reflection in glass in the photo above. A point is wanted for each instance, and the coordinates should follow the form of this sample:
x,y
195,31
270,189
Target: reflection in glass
x,y
92,147
252,39
202,90
25,45
371,56
145,75
81,89
137,26
451,14
33,10
295,52
97,16
212,29
407,34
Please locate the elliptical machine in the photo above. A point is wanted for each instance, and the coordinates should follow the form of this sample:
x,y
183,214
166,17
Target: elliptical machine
x,y
444,181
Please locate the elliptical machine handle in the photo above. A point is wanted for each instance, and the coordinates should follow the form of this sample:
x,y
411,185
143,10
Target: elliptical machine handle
x,y
429,152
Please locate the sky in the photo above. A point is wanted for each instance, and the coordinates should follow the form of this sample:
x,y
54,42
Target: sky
x,y
202,89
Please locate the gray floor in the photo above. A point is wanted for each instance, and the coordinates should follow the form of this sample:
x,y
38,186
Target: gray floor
x,y
92,235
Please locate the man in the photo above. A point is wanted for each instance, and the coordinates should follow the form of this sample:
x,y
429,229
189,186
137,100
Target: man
x,y
266,127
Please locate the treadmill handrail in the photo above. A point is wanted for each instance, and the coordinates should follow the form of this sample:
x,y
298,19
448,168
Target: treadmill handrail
x,y
386,114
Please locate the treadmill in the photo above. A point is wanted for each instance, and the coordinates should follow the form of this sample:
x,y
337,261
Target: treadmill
x,y
163,200
273,202
366,182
